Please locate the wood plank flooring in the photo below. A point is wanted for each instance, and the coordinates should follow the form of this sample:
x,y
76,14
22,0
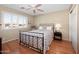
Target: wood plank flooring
x,y
56,47
61,47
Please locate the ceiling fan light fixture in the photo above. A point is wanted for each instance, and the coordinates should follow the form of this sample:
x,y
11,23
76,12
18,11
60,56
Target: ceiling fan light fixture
x,y
34,11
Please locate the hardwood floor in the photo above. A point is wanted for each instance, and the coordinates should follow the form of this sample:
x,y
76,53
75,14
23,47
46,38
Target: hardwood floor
x,y
13,47
61,47
56,47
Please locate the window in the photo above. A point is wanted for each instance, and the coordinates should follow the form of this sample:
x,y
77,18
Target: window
x,y
23,22
11,20
14,21
6,20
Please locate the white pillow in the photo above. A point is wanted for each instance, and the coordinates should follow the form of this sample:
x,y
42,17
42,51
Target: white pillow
x,y
49,27
40,27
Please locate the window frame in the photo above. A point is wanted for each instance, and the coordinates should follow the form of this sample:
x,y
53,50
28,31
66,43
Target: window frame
x,y
11,18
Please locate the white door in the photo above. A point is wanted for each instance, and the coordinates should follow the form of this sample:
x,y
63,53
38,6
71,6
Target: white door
x,y
73,28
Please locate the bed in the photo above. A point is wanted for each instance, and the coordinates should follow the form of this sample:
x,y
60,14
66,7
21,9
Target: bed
x,y
39,39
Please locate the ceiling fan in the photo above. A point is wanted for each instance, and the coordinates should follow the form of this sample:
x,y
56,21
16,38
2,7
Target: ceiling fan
x,y
34,8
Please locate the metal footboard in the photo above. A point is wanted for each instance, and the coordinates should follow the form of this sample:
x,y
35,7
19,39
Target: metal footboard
x,y
32,41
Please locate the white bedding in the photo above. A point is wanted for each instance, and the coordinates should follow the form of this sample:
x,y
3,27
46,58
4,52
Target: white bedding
x,y
48,37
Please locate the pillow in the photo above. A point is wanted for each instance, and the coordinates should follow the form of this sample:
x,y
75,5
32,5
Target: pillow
x,y
49,27
40,27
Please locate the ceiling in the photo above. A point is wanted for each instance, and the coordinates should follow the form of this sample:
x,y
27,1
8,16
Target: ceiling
x,y
46,7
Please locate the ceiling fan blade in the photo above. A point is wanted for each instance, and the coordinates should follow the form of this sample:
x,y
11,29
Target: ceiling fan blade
x,y
38,5
22,8
40,10
28,8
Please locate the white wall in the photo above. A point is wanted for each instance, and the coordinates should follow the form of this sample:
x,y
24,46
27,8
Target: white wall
x,y
13,34
78,29
73,27
60,17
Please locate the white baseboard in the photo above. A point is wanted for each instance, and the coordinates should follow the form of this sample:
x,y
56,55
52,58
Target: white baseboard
x,y
5,41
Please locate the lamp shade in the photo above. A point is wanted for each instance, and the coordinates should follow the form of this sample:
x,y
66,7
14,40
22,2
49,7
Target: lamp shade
x,y
57,27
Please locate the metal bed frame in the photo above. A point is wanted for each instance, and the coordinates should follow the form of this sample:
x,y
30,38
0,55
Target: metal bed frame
x,y
28,44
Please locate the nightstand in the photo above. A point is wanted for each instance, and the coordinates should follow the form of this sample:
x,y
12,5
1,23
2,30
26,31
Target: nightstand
x,y
57,36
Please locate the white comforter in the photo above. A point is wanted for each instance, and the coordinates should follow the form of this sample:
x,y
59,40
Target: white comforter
x,y
48,37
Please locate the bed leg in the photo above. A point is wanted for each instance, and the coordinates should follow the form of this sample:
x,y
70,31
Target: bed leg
x,y
19,42
44,51
19,37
